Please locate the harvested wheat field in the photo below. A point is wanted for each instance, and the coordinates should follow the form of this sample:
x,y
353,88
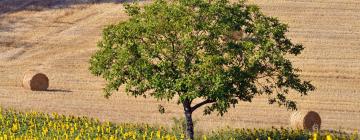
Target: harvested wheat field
x,y
58,38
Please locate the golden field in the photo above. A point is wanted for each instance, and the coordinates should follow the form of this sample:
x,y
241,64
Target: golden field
x,y
59,38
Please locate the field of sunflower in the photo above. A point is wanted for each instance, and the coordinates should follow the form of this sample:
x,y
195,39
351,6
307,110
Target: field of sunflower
x,y
39,126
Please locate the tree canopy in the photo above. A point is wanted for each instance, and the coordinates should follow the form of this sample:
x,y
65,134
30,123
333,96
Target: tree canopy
x,y
219,51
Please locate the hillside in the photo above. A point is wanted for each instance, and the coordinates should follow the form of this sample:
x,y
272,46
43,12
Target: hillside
x,y
58,39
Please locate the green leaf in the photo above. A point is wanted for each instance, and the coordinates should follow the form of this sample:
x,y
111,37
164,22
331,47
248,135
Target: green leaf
x,y
218,51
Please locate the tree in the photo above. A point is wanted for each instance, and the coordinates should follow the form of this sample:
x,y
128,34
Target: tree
x,y
214,50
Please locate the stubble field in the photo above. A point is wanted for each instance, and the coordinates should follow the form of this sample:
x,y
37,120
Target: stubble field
x,y
59,40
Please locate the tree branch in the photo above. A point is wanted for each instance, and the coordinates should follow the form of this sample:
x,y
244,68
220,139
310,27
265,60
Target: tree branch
x,y
201,104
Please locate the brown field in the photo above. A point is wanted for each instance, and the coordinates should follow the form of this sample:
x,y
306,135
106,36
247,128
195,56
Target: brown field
x,y
58,40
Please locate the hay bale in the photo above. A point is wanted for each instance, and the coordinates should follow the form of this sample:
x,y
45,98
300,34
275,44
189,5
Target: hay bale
x,y
309,120
35,81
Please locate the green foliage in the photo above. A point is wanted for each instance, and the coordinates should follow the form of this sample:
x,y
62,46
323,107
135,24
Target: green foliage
x,y
279,134
215,50
35,125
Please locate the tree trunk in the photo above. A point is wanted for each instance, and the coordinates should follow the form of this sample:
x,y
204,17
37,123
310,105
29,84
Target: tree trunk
x,y
189,121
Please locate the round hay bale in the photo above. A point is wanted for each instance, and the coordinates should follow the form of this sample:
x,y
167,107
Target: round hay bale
x,y
309,120
35,81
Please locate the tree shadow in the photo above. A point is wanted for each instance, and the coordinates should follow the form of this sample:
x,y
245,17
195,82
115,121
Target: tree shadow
x,y
10,6
59,90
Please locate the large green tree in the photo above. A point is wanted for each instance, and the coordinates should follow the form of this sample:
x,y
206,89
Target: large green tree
x,y
218,51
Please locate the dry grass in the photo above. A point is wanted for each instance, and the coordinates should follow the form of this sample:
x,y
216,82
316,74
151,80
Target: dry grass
x,y
60,42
